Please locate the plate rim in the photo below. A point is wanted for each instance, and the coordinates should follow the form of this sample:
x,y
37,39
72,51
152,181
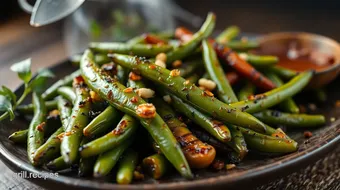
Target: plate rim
x,y
312,153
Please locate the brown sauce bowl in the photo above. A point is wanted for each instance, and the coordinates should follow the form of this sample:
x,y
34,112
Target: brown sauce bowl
x,y
276,42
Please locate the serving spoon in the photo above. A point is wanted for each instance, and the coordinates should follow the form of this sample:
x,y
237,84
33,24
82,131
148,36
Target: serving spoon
x,y
47,11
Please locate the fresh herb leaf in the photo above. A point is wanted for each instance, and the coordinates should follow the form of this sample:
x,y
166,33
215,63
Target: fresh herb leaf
x,y
23,68
38,83
8,93
6,106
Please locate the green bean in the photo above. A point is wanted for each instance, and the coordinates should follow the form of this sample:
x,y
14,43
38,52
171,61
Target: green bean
x,y
77,122
212,126
247,91
136,40
238,143
51,92
165,34
100,124
141,39
202,100
234,155
19,136
290,120
36,128
57,164
51,126
266,143
106,161
135,83
282,72
260,61
185,49
240,45
156,165
146,50
65,109
190,67
28,109
125,129
275,96
206,137
86,164
228,34
192,78
50,149
128,102
67,92
287,105
224,91
122,74
126,167
191,146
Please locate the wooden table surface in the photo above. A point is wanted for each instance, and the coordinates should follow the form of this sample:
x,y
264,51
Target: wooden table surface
x,y
45,46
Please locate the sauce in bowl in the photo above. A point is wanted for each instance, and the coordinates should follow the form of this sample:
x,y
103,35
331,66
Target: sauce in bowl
x,y
294,57
304,59
302,51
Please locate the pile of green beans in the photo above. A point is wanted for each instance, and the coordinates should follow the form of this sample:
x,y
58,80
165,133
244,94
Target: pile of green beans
x,y
148,101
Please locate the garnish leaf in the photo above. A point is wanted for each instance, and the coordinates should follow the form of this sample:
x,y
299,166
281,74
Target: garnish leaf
x,y
6,106
39,82
23,68
8,94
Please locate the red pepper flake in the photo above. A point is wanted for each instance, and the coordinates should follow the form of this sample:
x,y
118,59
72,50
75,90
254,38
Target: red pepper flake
x,y
152,67
61,136
120,128
134,99
307,134
133,76
207,93
259,97
68,133
218,164
146,110
109,95
279,134
41,126
79,80
128,90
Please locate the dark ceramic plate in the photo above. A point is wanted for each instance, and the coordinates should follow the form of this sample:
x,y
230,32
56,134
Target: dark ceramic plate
x,y
253,170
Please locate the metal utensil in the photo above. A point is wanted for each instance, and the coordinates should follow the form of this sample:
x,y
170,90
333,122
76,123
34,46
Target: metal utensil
x,y
48,11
